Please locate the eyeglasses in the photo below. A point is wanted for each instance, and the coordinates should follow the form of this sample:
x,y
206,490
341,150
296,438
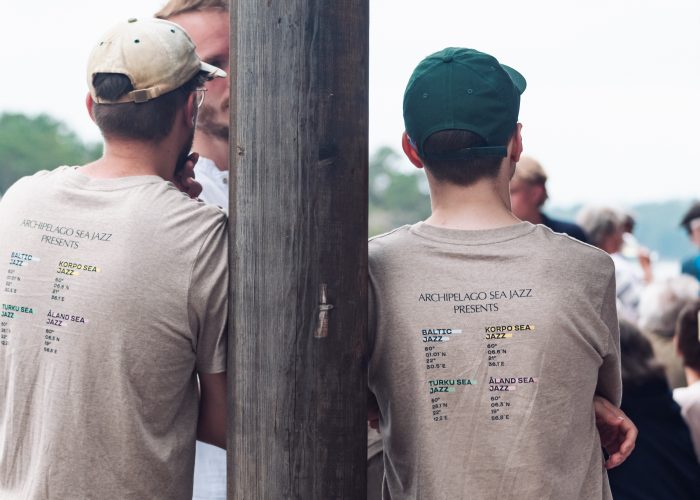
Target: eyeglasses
x,y
200,96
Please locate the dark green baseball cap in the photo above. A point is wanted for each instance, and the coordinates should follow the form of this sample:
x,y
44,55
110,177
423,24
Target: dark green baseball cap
x,y
463,89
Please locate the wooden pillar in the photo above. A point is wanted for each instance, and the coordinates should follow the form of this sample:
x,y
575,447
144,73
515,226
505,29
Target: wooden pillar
x,y
297,371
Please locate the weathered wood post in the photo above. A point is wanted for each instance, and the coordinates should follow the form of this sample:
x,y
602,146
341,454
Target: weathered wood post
x,y
297,405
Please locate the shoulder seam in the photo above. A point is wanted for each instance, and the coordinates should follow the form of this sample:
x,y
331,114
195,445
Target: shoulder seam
x,y
388,233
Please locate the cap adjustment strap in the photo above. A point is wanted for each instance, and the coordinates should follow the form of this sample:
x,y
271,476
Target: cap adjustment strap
x,y
469,153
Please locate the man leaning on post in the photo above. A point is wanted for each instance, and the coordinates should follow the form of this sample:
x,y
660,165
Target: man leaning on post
x,y
119,292
489,350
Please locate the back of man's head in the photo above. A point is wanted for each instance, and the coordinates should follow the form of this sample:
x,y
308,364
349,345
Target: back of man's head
x,y
177,7
460,111
139,74
688,335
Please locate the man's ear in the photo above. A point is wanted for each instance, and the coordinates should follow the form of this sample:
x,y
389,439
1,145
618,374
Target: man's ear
x,y
410,151
89,103
190,114
515,145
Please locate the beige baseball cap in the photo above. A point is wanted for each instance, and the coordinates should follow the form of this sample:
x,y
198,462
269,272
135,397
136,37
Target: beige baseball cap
x,y
156,55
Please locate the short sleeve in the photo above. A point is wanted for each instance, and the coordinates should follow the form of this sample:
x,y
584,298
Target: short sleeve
x,y
609,375
208,301
371,317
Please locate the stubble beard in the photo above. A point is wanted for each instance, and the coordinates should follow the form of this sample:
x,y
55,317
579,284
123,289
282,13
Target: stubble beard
x,y
207,124
184,154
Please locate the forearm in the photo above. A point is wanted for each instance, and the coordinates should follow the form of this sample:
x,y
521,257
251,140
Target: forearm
x,y
211,425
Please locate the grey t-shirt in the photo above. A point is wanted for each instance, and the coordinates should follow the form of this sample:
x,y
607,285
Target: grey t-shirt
x,y
487,349
114,294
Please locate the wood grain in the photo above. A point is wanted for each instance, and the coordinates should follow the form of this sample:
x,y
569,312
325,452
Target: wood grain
x,y
297,409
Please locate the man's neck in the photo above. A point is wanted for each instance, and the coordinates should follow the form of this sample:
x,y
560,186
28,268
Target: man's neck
x,y
483,205
132,158
213,148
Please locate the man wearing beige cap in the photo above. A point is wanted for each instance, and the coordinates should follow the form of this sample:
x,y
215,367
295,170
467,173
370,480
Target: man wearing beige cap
x,y
528,192
115,292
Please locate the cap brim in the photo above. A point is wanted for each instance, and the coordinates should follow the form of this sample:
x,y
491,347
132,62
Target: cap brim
x,y
518,79
212,71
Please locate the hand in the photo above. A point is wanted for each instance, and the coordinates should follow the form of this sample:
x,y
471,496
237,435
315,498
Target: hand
x,y
617,432
185,181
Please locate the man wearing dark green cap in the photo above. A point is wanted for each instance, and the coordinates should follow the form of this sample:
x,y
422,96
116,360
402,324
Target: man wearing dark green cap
x,y
490,337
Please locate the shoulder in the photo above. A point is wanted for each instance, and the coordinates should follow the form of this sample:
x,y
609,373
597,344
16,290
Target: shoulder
x,y
40,177
30,184
389,242
573,255
560,226
185,211
690,265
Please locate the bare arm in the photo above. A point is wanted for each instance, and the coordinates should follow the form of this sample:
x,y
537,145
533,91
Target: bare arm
x,y
211,427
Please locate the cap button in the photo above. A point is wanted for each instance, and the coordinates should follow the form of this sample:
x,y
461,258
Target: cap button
x,y
447,59
132,20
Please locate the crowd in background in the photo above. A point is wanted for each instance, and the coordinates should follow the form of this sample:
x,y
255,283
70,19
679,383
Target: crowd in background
x,y
659,341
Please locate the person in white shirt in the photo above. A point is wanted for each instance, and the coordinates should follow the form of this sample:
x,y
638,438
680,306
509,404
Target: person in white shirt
x,y
207,23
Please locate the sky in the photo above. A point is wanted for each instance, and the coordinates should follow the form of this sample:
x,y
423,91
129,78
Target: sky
x,y
611,109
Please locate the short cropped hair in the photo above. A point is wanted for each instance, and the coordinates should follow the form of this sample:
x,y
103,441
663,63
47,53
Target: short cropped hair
x,y
176,7
460,172
687,335
149,121
692,213
637,360
530,171
599,223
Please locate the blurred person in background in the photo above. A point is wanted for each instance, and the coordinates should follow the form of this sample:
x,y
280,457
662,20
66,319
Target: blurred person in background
x,y
632,249
528,192
605,228
691,223
687,342
207,23
664,464
661,303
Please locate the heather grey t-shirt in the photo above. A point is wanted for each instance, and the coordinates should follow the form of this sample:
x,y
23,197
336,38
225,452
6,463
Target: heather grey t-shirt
x,y
487,349
113,295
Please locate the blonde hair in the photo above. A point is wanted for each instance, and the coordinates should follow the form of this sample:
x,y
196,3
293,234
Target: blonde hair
x,y
530,171
176,7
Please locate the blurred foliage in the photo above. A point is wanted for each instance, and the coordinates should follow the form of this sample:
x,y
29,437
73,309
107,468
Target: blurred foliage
x,y
397,196
32,143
